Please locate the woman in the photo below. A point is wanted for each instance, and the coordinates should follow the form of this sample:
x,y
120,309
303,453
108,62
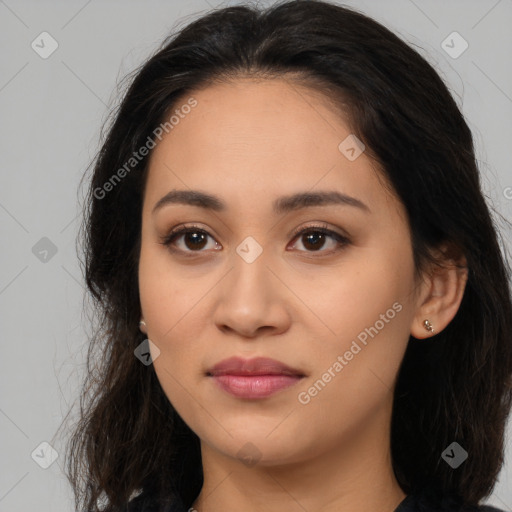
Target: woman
x,y
302,297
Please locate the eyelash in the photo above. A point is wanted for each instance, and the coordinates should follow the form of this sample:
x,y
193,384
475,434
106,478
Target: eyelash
x,y
342,240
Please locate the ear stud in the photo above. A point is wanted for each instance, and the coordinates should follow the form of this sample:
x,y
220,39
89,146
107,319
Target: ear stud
x,y
428,326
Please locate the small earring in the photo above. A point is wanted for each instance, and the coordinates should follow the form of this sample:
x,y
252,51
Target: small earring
x,y
428,326
142,323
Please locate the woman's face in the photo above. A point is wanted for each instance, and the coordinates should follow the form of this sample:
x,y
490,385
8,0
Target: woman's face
x,y
337,310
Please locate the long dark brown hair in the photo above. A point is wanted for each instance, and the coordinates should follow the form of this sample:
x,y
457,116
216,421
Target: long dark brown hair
x,y
454,387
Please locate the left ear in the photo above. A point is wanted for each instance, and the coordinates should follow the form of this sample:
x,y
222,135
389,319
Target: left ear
x,y
442,291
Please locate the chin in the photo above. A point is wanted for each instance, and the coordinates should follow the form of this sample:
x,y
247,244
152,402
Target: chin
x,y
255,447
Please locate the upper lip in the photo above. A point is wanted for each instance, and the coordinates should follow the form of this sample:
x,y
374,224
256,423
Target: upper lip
x,y
255,366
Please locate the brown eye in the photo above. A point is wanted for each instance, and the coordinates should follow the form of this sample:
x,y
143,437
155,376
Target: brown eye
x,y
314,238
194,239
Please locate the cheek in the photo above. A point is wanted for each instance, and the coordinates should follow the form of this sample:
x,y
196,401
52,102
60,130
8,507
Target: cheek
x,y
364,289
167,304
166,296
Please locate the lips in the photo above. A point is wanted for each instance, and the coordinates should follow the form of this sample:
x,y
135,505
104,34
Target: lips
x,y
253,379
252,367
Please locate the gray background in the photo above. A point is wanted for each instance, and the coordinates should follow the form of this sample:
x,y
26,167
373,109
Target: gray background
x,y
52,110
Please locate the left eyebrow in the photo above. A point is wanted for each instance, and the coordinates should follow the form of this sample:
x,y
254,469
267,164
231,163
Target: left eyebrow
x,y
281,205
323,198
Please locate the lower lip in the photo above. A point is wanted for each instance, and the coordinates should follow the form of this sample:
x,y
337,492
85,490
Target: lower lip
x,y
255,386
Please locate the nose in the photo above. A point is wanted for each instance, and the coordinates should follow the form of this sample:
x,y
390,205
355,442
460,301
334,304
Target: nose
x,y
251,300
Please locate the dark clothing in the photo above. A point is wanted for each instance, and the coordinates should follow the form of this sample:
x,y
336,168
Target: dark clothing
x,y
426,501
423,501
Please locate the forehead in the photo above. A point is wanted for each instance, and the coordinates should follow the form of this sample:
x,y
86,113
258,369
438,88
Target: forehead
x,y
259,138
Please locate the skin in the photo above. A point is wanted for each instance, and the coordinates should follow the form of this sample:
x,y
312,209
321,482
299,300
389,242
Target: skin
x,y
249,142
